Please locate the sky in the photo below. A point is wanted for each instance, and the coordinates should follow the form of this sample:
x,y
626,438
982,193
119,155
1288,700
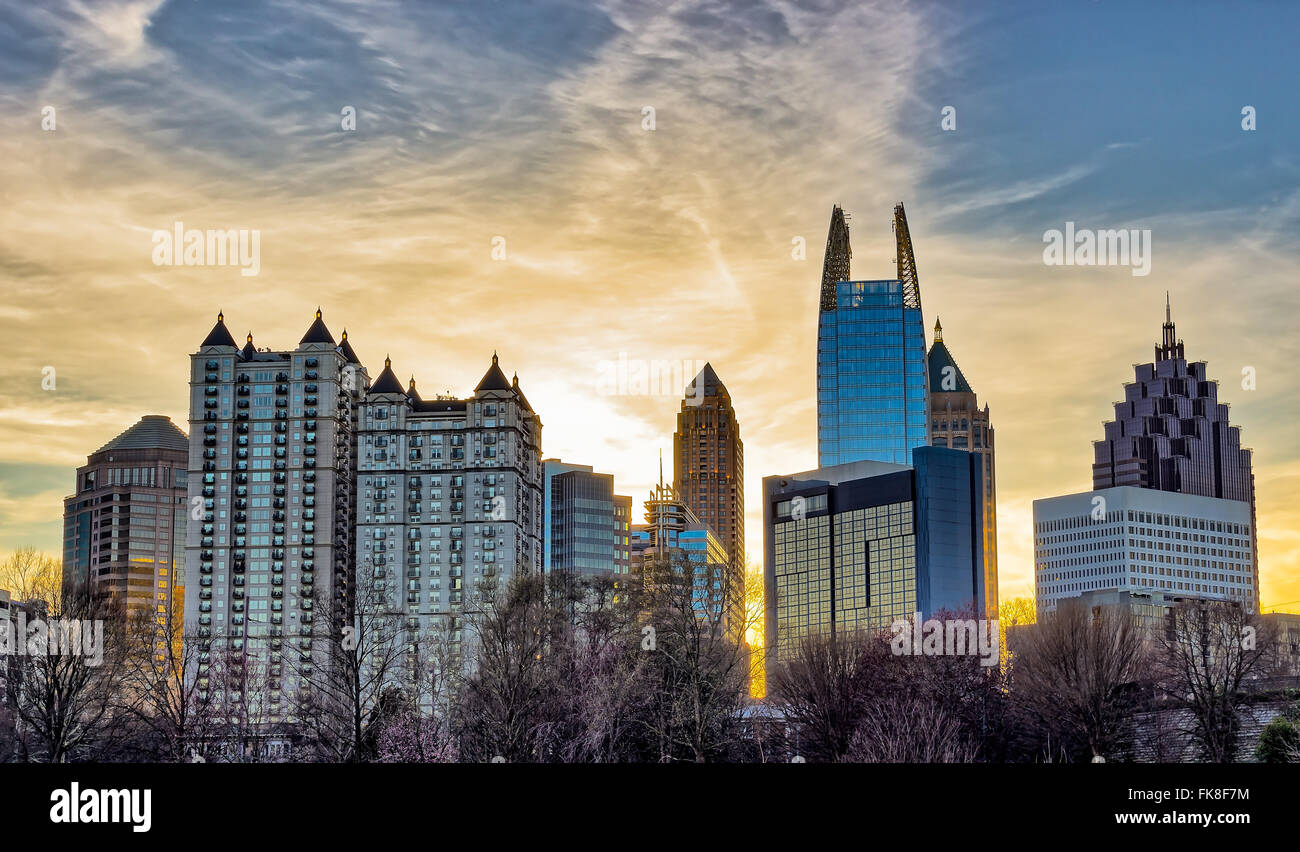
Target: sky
x,y
570,184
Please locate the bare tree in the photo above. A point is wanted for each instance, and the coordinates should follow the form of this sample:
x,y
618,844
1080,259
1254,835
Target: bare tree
x,y
61,690
823,692
357,655
1206,654
1074,674
507,711
161,689
696,622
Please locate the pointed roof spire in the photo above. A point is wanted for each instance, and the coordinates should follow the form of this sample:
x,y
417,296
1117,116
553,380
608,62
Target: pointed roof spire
x,y
945,375
1169,347
349,354
493,379
220,335
412,392
387,381
249,349
835,264
706,383
317,333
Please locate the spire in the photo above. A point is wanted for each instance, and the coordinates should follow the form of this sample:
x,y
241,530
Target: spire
x,y
249,349
835,266
317,333
1170,346
412,392
345,348
906,259
220,335
705,384
387,382
493,379
938,331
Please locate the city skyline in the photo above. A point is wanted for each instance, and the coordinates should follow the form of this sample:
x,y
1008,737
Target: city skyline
x,y
660,244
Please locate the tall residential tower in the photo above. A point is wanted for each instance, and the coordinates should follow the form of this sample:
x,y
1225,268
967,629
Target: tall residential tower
x,y
449,496
268,560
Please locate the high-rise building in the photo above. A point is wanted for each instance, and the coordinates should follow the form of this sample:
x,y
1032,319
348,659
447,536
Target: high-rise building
x,y
957,422
124,526
271,464
872,396
1143,540
858,546
1171,433
709,462
674,534
586,522
450,500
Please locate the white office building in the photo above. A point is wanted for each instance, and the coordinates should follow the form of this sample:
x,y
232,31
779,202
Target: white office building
x,y
1142,539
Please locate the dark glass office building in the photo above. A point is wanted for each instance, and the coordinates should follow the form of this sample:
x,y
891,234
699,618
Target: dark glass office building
x,y
585,515
858,546
1171,433
872,380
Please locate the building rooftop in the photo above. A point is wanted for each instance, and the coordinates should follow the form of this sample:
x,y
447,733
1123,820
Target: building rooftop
x,y
153,431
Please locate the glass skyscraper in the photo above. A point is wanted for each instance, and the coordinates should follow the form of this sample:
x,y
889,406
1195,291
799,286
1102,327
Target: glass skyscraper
x,y
872,380
855,547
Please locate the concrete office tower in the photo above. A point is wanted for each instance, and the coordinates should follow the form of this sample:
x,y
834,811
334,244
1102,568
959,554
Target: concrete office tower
x,y
449,496
1140,540
709,462
124,527
586,523
271,464
957,422
857,546
871,366
1171,433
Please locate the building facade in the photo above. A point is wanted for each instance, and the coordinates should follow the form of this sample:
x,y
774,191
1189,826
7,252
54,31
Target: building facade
x,y
587,523
674,533
124,526
1171,433
858,546
709,462
1139,540
872,380
269,563
450,497
957,422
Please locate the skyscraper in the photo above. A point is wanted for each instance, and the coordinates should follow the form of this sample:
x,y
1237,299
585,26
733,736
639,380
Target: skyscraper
x,y
709,462
124,526
271,464
586,522
1171,433
1141,540
858,546
449,496
871,361
674,535
957,422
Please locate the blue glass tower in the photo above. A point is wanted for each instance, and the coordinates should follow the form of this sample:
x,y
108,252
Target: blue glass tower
x,y
872,380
